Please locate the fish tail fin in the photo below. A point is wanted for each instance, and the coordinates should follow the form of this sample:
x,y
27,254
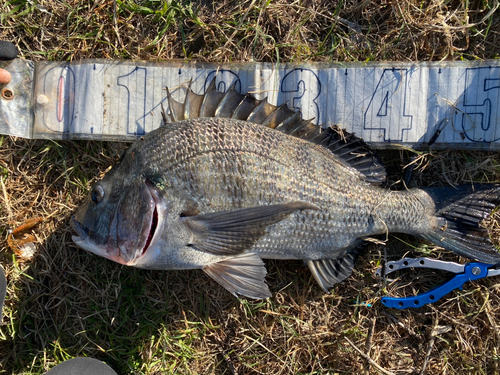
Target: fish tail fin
x,y
460,212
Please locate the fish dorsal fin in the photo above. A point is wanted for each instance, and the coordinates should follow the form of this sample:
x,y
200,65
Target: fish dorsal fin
x,y
244,274
328,272
351,150
348,148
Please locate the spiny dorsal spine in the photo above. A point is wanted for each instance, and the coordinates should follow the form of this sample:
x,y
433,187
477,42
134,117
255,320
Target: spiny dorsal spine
x,y
350,150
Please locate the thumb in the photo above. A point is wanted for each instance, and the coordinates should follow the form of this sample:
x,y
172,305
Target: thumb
x,y
4,76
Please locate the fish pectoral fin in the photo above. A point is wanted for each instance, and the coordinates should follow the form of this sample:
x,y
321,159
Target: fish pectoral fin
x,y
244,274
233,232
329,272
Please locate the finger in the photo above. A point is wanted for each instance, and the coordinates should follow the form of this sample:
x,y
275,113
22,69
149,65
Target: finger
x,y
5,76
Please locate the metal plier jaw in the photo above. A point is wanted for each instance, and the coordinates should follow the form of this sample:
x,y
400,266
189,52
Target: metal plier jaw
x,y
464,273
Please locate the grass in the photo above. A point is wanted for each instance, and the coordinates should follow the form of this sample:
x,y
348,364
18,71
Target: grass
x,y
65,302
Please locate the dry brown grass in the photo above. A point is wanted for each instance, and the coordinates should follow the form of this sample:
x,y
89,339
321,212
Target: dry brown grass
x,y
65,302
252,30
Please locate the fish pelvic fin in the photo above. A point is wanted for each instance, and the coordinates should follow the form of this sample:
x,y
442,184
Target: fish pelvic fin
x,y
242,275
328,272
233,232
460,212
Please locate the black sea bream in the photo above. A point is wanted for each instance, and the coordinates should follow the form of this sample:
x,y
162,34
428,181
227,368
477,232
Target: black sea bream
x,y
230,180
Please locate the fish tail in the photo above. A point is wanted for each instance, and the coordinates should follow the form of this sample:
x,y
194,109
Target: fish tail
x,y
460,214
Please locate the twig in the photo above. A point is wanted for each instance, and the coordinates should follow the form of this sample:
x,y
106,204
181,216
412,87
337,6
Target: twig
x,y
115,23
368,345
430,346
240,24
371,361
6,199
370,336
469,25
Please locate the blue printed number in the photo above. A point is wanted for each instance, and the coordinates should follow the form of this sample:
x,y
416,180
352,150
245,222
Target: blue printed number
x,y
478,110
225,79
59,118
135,85
304,86
388,111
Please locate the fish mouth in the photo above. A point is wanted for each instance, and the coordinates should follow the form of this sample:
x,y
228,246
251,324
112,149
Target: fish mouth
x,y
79,228
155,219
152,230
84,241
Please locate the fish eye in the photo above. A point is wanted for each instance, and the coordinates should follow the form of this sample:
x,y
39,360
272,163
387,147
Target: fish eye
x,y
97,194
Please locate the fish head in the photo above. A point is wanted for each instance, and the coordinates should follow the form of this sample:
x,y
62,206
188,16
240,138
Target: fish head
x,y
121,218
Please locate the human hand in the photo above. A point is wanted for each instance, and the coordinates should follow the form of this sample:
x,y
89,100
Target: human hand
x,y
4,76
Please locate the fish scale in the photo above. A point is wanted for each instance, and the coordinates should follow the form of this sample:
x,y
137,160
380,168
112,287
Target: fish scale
x,y
268,162
221,194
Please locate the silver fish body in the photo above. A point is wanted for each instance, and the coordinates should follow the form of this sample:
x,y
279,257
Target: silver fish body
x,y
221,194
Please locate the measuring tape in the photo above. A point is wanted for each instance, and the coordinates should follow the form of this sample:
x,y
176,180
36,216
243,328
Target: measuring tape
x,y
387,104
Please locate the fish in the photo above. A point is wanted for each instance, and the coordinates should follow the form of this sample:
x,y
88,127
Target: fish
x,y
229,180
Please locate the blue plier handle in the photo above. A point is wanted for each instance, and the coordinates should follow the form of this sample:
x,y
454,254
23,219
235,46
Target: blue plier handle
x,y
464,273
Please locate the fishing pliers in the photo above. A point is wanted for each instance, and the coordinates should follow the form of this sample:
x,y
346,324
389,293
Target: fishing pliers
x,y
464,273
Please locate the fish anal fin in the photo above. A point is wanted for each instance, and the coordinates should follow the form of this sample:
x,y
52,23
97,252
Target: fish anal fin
x,y
328,272
242,275
233,232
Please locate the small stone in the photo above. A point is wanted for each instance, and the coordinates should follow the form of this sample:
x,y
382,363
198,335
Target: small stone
x,y
8,51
